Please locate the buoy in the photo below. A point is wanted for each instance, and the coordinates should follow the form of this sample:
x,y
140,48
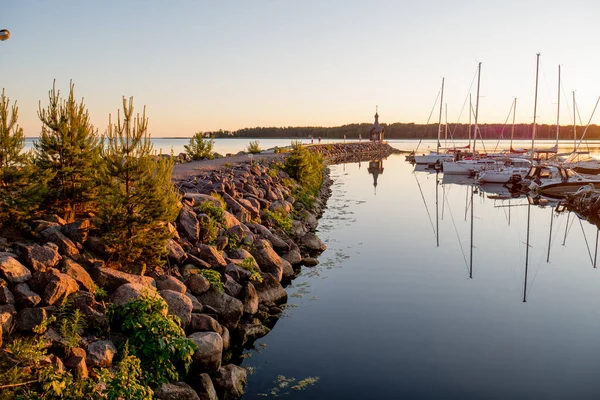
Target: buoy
x,y
4,34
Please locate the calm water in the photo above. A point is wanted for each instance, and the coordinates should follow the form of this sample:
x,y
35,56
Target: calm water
x,y
390,314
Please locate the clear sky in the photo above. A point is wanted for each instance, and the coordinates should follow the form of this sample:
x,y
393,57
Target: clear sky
x,y
207,65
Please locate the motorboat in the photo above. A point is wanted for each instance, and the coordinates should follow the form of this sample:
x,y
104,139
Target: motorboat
x,y
557,181
510,169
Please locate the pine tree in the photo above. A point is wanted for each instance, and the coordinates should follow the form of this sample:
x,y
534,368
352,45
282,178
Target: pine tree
x,y
19,194
68,148
137,198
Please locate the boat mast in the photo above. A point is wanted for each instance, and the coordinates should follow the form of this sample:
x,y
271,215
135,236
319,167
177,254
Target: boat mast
x,y
537,69
440,118
558,110
446,125
574,125
512,132
470,113
476,107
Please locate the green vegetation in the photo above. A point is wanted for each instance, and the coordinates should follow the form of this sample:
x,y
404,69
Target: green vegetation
x,y
68,152
125,383
200,148
305,167
279,218
254,147
155,338
19,193
214,278
215,212
249,264
137,197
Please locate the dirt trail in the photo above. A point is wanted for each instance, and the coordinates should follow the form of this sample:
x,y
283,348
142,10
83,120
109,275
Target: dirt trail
x,y
189,170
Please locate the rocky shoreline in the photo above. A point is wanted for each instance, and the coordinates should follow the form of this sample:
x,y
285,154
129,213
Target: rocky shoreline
x,y
263,238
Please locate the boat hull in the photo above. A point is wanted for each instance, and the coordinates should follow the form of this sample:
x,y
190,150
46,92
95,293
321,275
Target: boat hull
x,y
433,158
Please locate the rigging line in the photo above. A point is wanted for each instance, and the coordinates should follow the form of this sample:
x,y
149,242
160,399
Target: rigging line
x,y
566,233
566,228
424,202
586,242
534,276
588,124
566,99
558,228
458,237
462,109
504,127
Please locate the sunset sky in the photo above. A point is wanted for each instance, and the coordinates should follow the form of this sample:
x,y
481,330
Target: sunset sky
x,y
208,65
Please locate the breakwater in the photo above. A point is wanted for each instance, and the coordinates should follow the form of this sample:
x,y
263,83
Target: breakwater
x,y
240,220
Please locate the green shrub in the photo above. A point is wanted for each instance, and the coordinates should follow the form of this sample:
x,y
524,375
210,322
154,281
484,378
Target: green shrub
x,y
254,147
210,231
249,264
305,167
125,382
213,211
200,148
280,218
214,278
155,338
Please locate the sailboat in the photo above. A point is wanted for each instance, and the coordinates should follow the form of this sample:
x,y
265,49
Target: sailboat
x,y
436,156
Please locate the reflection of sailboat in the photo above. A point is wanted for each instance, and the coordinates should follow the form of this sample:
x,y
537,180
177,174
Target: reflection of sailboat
x,y
375,169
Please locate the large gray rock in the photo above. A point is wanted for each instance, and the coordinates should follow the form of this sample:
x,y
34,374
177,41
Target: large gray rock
x,y
188,224
176,391
268,260
42,258
6,296
199,198
239,274
230,381
198,284
230,220
7,317
94,311
270,290
204,387
210,254
229,308
65,245
13,270
232,288
131,291
241,213
251,331
59,287
293,257
210,350
204,323
29,318
76,362
167,282
249,298
197,307
175,252
312,242
110,279
100,353
77,231
179,305
240,254
25,296
77,272
252,206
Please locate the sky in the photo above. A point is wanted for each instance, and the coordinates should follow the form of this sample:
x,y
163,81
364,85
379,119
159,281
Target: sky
x,y
208,65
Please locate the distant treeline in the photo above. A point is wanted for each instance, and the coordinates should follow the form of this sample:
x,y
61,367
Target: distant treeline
x,y
411,131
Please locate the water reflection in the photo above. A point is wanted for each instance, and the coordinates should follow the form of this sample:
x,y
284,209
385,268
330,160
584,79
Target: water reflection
x,y
375,169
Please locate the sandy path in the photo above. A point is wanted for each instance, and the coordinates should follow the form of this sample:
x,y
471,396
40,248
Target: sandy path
x,y
191,169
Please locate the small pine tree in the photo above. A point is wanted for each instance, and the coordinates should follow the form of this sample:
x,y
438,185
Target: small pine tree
x,y
199,148
18,193
68,148
137,197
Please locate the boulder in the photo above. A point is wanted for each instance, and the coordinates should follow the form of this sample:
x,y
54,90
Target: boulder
x,y
232,288
204,323
188,224
197,307
293,257
176,391
59,287
76,362
288,270
204,387
196,262
199,198
179,305
281,205
77,272
7,317
230,381
188,270
239,274
210,254
252,331
25,296
13,270
312,242
240,254
129,292
96,245
110,279
221,242
252,206
100,353
94,311
226,338
198,284
268,260
210,350
77,231
41,258
249,298
175,252
245,237
230,220
167,282
237,209
29,318
230,309
65,245
6,296
310,261
270,290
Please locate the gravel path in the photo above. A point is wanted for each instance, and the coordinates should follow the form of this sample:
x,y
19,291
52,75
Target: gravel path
x,y
188,170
